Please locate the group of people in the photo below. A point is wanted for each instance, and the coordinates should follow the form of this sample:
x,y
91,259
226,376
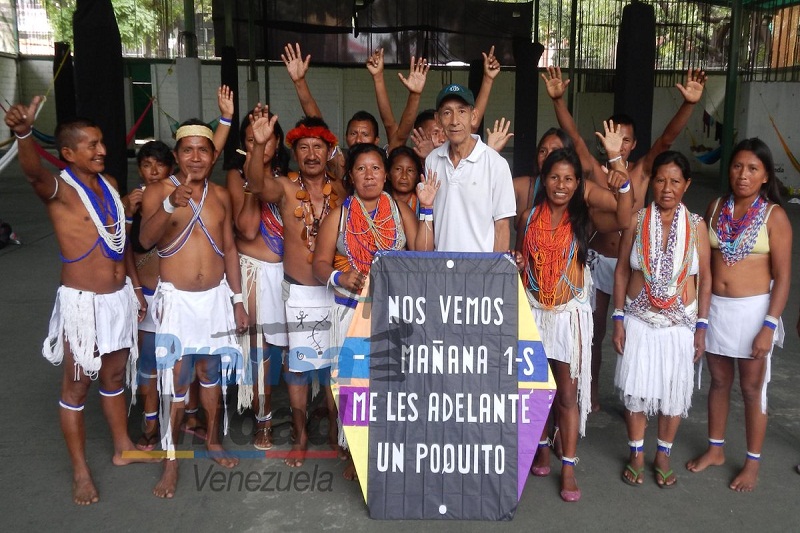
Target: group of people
x,y
258,279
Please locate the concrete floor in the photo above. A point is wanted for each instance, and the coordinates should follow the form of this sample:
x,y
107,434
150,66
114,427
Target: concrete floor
x,y
36,471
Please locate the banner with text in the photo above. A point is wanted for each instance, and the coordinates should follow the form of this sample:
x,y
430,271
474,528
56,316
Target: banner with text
x,y
443,387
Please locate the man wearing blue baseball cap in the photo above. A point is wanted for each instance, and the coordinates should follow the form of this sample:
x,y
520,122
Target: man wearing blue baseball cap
x,y
476,197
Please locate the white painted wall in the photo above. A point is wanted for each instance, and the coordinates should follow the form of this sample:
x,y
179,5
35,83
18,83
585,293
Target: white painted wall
x,y
340,92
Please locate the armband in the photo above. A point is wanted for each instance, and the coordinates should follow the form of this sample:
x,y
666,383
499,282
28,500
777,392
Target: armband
x,y
614,159
237,298
168,207
225,121
626,187
771,322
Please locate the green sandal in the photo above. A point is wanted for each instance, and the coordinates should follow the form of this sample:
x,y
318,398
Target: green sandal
x,y
637,475
664,476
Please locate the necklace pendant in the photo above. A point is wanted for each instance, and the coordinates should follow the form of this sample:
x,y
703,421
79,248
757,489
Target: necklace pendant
x,y
310,258
304,234
326,190
301,195
298,211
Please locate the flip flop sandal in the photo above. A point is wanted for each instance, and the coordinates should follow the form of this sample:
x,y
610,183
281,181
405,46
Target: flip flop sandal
x,y
664,476
636,475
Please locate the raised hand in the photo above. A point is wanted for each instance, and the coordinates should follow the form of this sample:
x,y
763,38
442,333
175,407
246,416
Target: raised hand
x,y
182,194
375,62
295,64
417,75
427,188
555,85
263,125
423,144
498,136
352,280
491,66
132,202
611,139
19,117
225,101
695,81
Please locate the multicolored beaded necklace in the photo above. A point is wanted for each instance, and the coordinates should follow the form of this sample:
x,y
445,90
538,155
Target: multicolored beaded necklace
x,y
737,237
664,284
305,211
549,255
271,228
367,232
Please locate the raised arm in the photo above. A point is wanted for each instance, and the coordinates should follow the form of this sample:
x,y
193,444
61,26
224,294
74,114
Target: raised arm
x,y
19,118
491,68
691,92
498,136
245,207
225,104
268,190
415,83
427,188
375,66
556,87
298,68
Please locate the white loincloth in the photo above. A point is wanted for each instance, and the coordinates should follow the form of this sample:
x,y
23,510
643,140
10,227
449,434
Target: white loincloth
x,y
308,320
265,279
94,325
190,323
602,268
733,324
656,372
149,321
566,333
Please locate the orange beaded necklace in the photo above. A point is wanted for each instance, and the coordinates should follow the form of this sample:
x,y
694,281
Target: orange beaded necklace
x,y
549,255
366,233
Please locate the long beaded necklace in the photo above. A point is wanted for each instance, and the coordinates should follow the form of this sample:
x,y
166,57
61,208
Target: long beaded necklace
x,y
306,213
737,237
271,228
366,232
550,257
111,237
657,264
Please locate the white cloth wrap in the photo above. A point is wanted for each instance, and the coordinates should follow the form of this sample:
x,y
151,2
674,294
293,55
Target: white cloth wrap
x,y
308,320
340,324
566,332
264,279
190,322
655,373
148,323
733,324
93,324
602,268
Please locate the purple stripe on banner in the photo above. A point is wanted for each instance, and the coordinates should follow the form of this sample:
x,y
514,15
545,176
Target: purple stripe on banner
x,y
354,406
529,430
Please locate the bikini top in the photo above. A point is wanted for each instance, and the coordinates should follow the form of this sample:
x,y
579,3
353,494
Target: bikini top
x,y
762,240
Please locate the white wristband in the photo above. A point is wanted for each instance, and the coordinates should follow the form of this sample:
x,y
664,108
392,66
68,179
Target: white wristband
x,y
772,320
237,298
168,207
18,136
614,159
626,187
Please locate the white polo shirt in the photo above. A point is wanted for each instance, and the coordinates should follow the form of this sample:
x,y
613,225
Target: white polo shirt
x,y
471,198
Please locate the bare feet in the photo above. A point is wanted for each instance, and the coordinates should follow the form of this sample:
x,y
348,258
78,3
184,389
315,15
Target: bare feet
x,y
634,470
131,454
222,458
350,473
83,490
193,426
165,488
713,456
263,436
748,477
296,457
665,477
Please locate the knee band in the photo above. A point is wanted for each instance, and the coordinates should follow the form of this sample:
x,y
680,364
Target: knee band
x,y
179,399
209,385
111,394
65,405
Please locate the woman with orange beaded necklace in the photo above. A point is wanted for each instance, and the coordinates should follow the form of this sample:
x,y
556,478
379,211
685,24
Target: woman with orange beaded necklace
x,y
552,248
368,221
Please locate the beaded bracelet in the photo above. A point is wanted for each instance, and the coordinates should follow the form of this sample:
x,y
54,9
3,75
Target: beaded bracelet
x,y
701,325
128,220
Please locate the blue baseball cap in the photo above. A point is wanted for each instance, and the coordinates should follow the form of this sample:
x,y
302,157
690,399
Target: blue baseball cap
x,y
455,91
